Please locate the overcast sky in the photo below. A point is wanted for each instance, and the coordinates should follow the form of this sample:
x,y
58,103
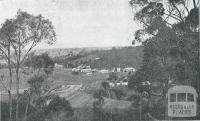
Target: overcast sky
x,y
80,23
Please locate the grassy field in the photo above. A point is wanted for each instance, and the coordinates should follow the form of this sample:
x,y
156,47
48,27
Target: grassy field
x,y
65,76
59,77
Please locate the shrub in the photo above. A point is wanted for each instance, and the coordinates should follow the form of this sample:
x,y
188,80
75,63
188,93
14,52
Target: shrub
x,y
22,108
75,72
119,93
59,107
58,104
113,76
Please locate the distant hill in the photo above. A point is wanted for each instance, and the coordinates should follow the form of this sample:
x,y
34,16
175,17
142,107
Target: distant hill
x,y
58,52
96,57
102,57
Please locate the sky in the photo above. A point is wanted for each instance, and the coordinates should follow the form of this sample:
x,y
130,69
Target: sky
x,y
80,23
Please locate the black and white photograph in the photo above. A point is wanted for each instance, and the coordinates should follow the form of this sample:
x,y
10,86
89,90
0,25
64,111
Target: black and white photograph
x,y
99,60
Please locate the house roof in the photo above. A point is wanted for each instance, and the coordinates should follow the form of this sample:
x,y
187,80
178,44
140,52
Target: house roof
x,y
182,89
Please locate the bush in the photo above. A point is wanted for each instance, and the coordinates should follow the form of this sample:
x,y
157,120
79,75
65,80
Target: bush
x,y
113,76
36,116
4,111
22,108
158,108
57,107
75,72
119,93
35,83
100,94
58,104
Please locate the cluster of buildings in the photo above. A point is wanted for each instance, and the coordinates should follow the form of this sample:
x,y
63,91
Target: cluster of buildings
x,y
83,69
88,70
127,69
122,82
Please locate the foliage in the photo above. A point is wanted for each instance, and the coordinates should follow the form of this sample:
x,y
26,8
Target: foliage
x,y
105,85
99,94
21,34
36,116
47,105
172,50
119,93
56,105
44,110
75,73
5,110
113,76
59,104
98,106
36,83
26,30
106,59
39,61
158,108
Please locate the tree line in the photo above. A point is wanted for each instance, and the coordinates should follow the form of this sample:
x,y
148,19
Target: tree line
x,y
171,53
170,36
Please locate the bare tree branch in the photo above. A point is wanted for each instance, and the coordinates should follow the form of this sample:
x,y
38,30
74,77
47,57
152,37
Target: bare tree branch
x,y
179,12
174,16
169,15
186,8
194,4
32,46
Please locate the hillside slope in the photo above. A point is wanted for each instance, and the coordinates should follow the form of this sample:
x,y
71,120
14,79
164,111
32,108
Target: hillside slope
x,y
119,57
115,57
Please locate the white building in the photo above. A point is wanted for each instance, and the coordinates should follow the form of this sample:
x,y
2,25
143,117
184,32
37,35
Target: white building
x,y
104,71
87,70
118,69
129,69
57,66
111,84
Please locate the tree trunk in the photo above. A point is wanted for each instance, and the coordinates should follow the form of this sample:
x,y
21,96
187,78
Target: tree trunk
x,y
17,89
26,112
194,3
10,85
110,106
17,73
10,105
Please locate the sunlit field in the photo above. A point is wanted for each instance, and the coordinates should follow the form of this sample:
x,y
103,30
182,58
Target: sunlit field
x,y
58,77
